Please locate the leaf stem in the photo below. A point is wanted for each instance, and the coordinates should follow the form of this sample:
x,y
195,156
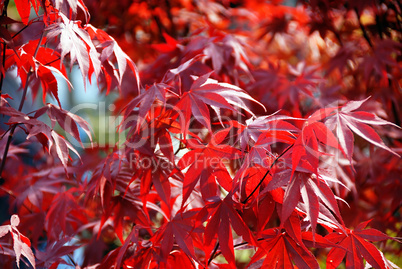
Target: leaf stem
x,y
266,174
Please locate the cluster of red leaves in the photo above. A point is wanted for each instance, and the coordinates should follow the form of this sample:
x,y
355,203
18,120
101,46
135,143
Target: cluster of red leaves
x,y
208,164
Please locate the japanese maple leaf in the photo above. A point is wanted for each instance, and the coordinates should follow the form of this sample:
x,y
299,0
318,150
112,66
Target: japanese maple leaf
x,y
144,102
63,214
322,24
251,131
356,245
344,121
260,155
153,172
376,64
54,252
305,150
110,48
22,245
178,74
170,45
149,256
224,51
132,237
277,24
302,80
312,189
24,9
223,215
49,82
77,42
35,191
205,91
44,63
281,251
206,166
128,205
179,229
13,150
216,53
313,135
45,135
70,6
340,59
67,120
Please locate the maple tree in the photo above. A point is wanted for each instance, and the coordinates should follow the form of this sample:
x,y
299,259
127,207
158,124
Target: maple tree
x,y
254,126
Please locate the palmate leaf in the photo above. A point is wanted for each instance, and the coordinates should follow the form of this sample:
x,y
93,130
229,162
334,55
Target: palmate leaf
x,y
67,120
144,102
345,121
74,40
52,256
44,134
313,190
263,128
222,216
36,190
70,7
314,134
301,83
63,215
206,91
357,245
223,51
44,63
179,229
376,65
281,251
206,166
24,8
111,54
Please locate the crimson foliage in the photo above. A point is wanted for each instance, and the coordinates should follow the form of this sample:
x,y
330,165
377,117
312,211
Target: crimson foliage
x,y
248,125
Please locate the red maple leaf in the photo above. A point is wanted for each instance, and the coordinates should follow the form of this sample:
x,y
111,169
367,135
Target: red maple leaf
x,y
222,215
206,166
356,245
206,91
344,121
74,40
